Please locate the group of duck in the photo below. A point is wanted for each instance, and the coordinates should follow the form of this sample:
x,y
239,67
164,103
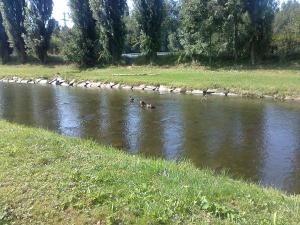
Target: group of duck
x,y
142,103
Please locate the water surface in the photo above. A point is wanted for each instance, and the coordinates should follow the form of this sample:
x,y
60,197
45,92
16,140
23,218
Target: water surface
x,y
257,140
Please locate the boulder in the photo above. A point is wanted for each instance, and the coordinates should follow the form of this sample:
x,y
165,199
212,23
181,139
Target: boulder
x,y
179,90
24,81
81,84
140,87
150,88
197,92
43,81
117,86
219,94
126,87
163,88
72,83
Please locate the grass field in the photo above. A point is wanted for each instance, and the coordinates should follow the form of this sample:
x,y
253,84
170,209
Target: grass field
x,y
46,178
256,81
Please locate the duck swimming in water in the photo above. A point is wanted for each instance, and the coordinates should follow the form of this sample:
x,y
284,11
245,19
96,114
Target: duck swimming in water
x,y
142,103
150,106
131,99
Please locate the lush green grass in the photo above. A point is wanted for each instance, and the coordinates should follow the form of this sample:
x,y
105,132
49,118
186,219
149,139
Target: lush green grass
x,y
46,178
256,81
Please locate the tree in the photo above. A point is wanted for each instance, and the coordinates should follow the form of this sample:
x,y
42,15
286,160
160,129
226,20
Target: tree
x,y
81,44
39,26
287,29
261,14
150,16
171,24
14,15
5,49
109,15
201,27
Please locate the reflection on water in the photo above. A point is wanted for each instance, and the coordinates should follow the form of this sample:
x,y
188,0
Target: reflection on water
x,y
254,139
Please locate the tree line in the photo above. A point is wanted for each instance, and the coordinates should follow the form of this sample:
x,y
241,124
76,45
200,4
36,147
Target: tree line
x,y
194,29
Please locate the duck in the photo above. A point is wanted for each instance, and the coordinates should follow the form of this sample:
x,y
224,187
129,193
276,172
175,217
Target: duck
x,y
150,106
142,104
131,99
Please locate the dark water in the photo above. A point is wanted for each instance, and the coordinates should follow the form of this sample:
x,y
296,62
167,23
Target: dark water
x,y
258,140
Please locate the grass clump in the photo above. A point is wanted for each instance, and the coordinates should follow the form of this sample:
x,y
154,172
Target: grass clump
x,y
46,178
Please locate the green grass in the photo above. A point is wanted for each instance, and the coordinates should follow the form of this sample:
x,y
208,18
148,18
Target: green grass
x,y
46,178
256,81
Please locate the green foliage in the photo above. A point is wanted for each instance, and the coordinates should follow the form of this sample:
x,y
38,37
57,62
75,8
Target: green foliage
x,y
171,24
39,27
132,41
261,14
14,16
5,49
81,41
150,15
109,15
286,37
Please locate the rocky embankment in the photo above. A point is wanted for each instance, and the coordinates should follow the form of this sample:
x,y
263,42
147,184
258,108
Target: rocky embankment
x,y
58,81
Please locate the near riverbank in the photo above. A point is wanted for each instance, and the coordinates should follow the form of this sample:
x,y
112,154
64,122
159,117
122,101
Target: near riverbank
x,y
46,178
277,83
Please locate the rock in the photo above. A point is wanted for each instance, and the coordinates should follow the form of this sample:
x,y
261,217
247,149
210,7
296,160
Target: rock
x,y
232,95
211,91
112,84
150,88
43,81
179,90
30,82
163,88
38,80
268,96
11,81
53,81
24,81
95,84
126,87
197,92
64,84
219,94
81,84
72,83
140,87
117,86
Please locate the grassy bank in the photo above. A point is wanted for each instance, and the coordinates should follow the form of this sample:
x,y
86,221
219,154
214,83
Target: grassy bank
x,y
46,178
255,81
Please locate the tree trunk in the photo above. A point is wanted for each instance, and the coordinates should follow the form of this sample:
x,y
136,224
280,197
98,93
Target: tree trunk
x,y
252,53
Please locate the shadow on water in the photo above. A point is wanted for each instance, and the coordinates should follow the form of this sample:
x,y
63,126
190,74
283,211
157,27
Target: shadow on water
x,y
258,140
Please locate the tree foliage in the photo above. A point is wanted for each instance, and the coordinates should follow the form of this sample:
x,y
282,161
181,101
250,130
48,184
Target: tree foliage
x,y
39,26
109,15
287,29
150,16
14,15
81,45
5,49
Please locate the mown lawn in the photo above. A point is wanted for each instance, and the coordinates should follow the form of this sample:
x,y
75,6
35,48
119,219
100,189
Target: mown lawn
x,y
46,178
256,81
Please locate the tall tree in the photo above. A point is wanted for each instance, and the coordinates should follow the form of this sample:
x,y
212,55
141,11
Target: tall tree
x,y
81,46
109,15
150,15
287,29
261,14
201,25
5,49
39,26
14,15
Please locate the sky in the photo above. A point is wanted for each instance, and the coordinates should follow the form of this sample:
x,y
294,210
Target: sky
x,y
61,7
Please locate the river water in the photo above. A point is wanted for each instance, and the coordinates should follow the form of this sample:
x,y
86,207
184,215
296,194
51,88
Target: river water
x,y
257,140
